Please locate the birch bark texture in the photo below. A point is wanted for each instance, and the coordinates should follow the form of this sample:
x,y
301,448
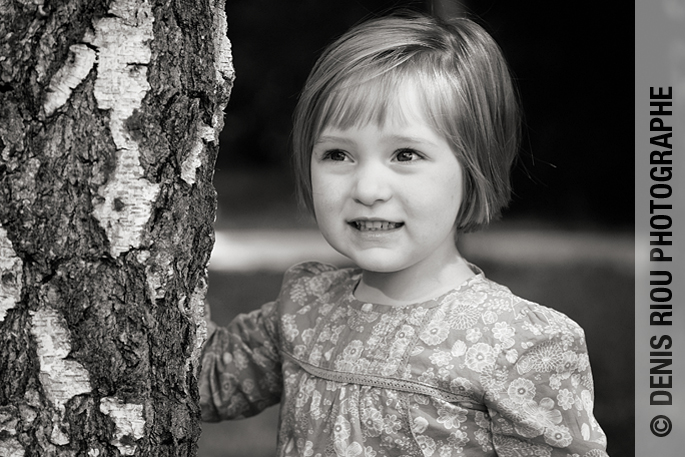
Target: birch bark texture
x,y
110,113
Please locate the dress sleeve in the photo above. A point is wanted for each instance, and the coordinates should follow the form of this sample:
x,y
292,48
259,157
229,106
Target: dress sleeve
x,y
241,363
241,367
540,392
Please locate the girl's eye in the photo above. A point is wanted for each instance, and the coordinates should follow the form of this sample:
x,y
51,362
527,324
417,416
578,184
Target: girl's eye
x,y
407,155
335,154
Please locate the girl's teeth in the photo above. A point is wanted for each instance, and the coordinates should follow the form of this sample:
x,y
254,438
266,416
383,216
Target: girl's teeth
x,y
376,225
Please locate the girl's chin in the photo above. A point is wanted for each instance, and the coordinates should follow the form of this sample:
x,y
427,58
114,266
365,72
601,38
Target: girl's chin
x,y
377,259
377,264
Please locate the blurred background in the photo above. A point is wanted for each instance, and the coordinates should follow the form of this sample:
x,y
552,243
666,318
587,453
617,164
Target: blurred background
x,y
566,240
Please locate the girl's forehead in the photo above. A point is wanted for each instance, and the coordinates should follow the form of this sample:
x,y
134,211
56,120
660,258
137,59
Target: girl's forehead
x,y
380,101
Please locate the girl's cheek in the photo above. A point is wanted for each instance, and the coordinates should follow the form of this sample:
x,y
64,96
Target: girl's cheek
x,y
325,184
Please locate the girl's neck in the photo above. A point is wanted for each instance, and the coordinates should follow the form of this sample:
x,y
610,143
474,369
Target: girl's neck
x,y
413,285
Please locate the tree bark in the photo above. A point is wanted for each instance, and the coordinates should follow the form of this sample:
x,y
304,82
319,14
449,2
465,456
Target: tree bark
x,y
110,113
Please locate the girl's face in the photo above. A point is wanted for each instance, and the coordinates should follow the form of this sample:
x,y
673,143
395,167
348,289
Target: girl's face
x,y
388,196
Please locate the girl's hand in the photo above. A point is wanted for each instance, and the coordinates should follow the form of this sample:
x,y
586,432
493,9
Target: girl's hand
x,y
211,326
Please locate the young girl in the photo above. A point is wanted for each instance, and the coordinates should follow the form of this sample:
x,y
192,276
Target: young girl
x,y
404,137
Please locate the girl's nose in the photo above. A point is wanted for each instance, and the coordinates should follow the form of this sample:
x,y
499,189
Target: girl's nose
x,y
371,186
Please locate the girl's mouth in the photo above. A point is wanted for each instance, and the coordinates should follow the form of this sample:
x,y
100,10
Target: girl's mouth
x,y
375,226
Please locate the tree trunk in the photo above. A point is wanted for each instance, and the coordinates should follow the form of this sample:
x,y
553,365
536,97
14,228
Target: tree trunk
x,y
110,112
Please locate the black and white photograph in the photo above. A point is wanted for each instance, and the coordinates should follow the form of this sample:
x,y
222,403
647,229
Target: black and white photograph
x,y
361,228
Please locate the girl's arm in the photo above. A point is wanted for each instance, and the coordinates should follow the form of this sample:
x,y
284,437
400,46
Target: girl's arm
x,y
543,398
241,363
241,366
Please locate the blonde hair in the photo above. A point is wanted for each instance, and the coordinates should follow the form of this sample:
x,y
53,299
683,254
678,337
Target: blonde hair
x,y
464,83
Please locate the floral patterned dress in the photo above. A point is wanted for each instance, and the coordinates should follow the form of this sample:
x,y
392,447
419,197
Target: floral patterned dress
x,y
475,372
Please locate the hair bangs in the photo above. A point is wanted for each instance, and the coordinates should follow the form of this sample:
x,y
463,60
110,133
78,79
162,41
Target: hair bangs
x,y
360,101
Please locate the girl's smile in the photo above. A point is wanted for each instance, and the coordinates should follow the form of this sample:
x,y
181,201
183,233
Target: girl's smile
x,y
387,196
364,225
